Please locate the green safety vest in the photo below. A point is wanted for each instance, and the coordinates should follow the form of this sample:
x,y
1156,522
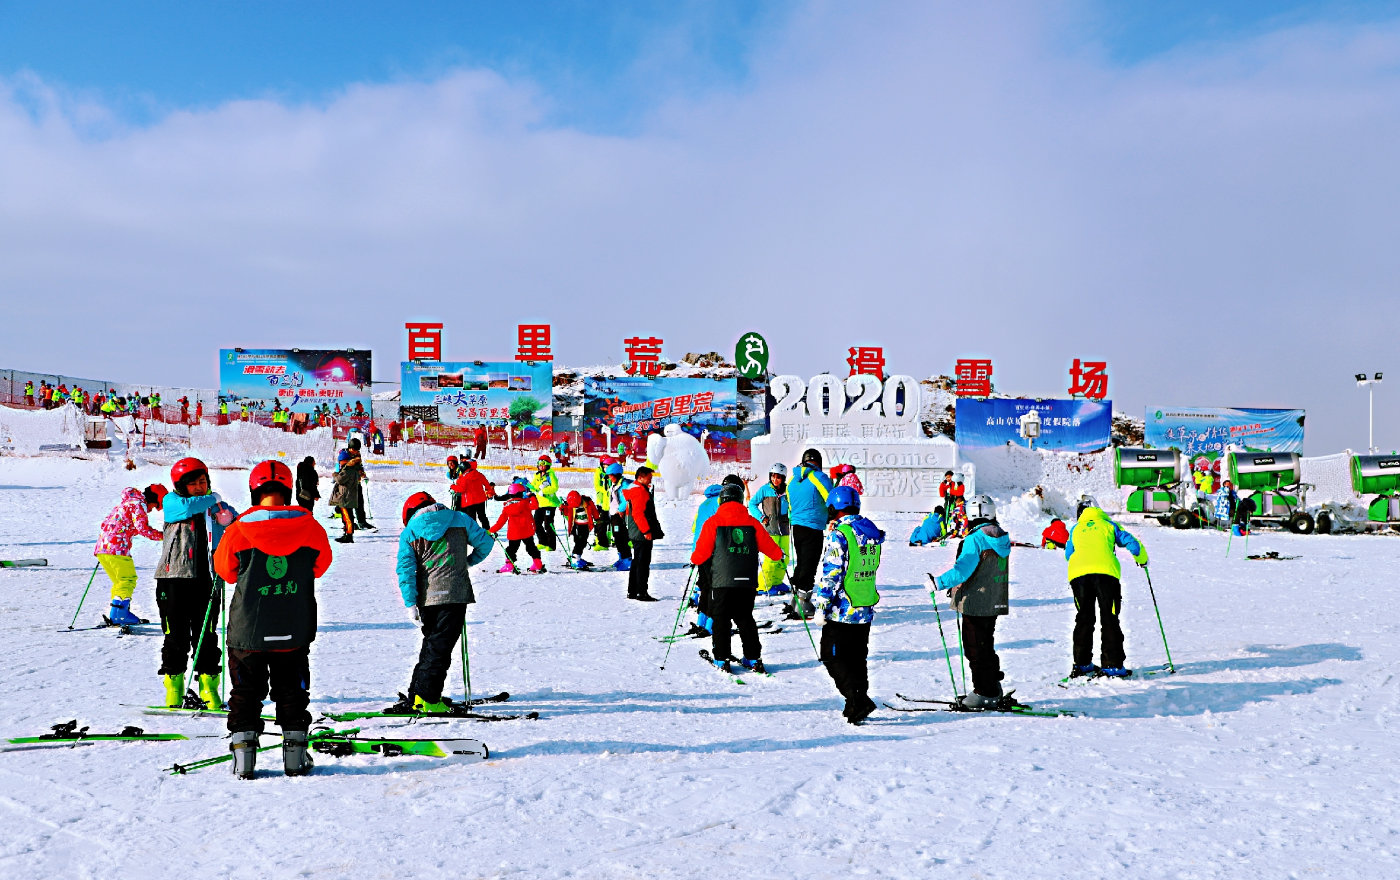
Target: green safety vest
x,y
223,409
863,562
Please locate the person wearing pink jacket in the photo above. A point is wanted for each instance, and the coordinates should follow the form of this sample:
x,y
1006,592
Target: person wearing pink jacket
x,y
127,520
845,475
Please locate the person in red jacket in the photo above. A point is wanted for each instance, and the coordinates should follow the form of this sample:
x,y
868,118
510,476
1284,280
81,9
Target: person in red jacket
x,y
727,551
1055,535
518,518
643,530
580,515
472,489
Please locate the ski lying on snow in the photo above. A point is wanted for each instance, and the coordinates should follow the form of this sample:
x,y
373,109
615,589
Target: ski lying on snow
x,y
1009,706
341,746
463,715
767,627
70,734
23,563
721,669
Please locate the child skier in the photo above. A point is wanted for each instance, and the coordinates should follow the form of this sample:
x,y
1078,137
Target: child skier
x,y
1056,535
930,530
978,585
618,485
846,476
600,494
770,507
185,592
1093,577
846,596
546,488
518,518
727,553
127,519
436,550
580,515
273,554
643,530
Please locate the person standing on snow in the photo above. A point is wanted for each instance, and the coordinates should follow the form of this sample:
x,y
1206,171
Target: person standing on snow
x,y
580,515
480,438
846,598
846,476
978,585
727,554
1056,535
518,518
1094,575
807,495
546,487
617,503
308,484
700,594
437,548
643,530
188,600
472,490
600,494
127,519
345,497
273,554
770,507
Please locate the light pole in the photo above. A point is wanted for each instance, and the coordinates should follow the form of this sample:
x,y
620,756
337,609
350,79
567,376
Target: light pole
x,y
1030,427
1370,385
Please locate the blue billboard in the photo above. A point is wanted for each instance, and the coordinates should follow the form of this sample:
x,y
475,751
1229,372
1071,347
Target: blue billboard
x,y
1065,425
1198,430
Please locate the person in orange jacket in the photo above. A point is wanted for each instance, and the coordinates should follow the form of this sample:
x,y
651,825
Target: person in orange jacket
x,y
518,519
580,516
472,489
643,530
727,551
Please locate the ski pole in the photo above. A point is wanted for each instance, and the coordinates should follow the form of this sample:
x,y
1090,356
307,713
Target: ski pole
x,y
1171,667
962,655
466,663
679,610
204,627
946,656
84,598
223,637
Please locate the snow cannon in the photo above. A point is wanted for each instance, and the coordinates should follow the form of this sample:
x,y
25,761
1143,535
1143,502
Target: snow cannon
x,y
1378,475
1264,477
1151,473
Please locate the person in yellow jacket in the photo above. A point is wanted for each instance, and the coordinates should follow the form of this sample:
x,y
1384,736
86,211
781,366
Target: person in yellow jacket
x,y
545,485
600,496
1094,578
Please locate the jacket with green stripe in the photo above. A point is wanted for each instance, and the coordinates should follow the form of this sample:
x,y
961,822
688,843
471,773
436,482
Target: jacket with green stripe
x,y
1093,544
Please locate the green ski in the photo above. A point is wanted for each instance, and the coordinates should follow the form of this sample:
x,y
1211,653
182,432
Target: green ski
x,y
343,745
70,734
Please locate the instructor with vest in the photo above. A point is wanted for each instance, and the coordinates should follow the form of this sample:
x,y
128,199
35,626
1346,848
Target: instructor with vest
x,y
978,585
846,597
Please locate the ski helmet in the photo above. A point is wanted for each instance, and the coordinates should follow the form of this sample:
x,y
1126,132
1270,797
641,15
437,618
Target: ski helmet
x,y
614,470
1086,501
451,459
844,498
731,492
778,468
267,476
980,507
185,470
732,480
606,460
812,458
544,459
154,495
573,499
416,502
844,469
516,489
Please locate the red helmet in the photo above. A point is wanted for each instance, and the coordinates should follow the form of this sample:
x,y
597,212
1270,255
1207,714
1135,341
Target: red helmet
x,y
187,469
574,499
416,502
154,495
268,474
451,459
606,460
545,459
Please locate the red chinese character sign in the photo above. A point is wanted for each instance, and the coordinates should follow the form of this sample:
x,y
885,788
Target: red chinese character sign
x,y
534,343
973,377
424,341
1089,378
643,356
867,362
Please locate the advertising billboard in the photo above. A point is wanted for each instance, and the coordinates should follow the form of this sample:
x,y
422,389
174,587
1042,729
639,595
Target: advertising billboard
x,y
465,394
299,380
1202,433
1065,425
730,410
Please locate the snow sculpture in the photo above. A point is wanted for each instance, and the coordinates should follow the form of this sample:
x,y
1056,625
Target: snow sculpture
x,y
682,461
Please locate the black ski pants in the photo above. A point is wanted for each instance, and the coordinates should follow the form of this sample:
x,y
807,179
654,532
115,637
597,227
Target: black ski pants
x,y
478,513
807,550
1105,592
844,648
703,593
442,626
544,527
513,547
734,605
600,531
621,538
183,604
639,577
581,534
253,674
979,647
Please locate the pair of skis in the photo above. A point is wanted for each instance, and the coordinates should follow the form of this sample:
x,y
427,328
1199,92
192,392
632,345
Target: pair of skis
x,y
464,713
342,743
69,734
1007,705
728,671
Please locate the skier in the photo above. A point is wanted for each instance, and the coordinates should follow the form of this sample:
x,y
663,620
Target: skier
x,y
600,493
454,470
546,487
580,515
807,502
643,530
618,485
472,489
846,597
127,519
978,586
29,392
1056,535
308,483
930,530
846,476
436,550
769,506
700,595
518,519
480,438
727,554
273,555
1094,578
195,519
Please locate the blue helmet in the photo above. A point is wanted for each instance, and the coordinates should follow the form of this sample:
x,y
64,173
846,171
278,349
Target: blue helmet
x,y
614,470
844,498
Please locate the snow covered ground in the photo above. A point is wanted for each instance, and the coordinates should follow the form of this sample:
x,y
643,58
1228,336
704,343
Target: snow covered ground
x,y
1270,754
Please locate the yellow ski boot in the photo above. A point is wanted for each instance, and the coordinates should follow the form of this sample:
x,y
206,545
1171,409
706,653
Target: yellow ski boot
x,y
174,690
209,692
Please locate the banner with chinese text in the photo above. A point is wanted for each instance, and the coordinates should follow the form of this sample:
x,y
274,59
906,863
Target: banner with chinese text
x,y
1065,425
302,381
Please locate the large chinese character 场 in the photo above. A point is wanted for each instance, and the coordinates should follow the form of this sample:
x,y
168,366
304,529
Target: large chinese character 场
x,y
867,362
534,344
1089,379
973,377
643,356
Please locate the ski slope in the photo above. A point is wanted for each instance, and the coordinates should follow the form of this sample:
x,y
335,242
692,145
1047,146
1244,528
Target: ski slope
x,y
1270,754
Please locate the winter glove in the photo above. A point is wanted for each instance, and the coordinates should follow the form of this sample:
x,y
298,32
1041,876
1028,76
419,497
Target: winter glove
x,y
415,615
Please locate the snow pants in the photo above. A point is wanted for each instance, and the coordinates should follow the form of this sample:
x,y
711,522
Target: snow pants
x,y
807,546
442,626
601,538
1105,592
478,513
513,547
580,534
253,674
639,575
620,537
734,605
122,571
979,647
774,571
185,604
844,648
544,528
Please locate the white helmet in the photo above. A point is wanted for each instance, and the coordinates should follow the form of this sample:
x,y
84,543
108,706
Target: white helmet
x,y
780,469
1086,501
980,507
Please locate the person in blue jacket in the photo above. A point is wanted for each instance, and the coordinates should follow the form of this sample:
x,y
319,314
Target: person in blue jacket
x,y
979,586
807,494
847,596
770,507
436,550
700,595
929,531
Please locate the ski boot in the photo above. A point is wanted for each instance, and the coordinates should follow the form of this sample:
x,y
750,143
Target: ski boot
x,y
622,564
1088,669
975,701
295,759
120,613
1116,672
209,692
443,705
754,665
404,706
347,538
537,567
174,690
508,568
244,745
858,708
